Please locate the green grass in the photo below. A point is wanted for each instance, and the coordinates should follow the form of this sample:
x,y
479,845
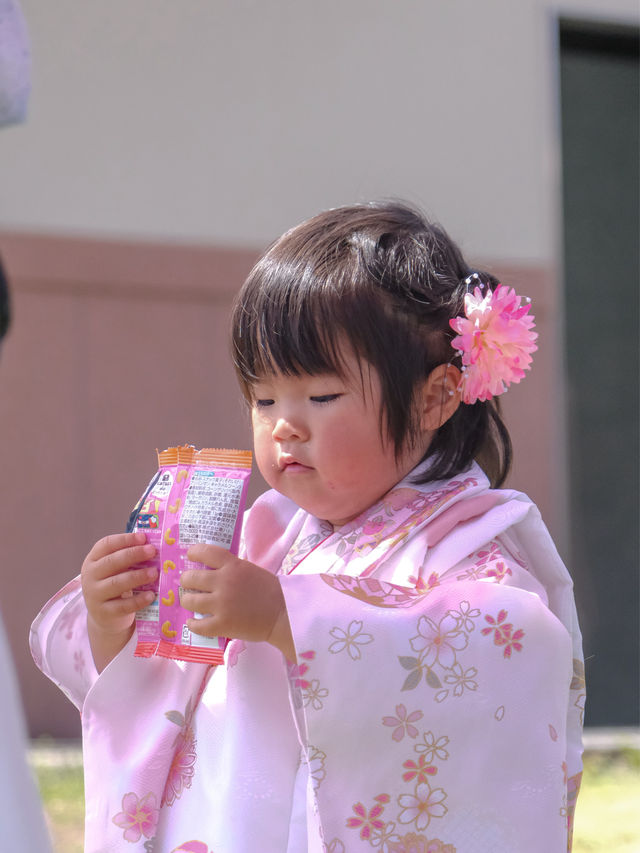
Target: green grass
x,y
62,792
607,815
608,809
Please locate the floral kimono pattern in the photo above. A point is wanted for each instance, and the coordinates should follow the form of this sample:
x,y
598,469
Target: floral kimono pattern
x,y
435,705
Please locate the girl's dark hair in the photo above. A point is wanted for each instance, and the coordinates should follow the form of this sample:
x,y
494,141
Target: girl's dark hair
x,y
5,308
383,279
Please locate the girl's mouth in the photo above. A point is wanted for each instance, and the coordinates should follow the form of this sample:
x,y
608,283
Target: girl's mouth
x,y
290,465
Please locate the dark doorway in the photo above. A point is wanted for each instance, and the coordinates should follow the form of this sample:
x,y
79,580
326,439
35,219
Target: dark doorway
x,y
599,74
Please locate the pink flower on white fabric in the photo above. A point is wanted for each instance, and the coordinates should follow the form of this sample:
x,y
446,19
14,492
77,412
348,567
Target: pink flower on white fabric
x,y
236,647
368,820
495,339
138,816
418,770
412,843
192,847
503,633
182,766
402,723
419,808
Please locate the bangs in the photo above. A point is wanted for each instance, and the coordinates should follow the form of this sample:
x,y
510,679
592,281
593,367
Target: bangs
x,y
290,320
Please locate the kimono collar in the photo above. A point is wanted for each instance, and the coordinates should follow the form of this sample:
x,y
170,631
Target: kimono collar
x,y
389,524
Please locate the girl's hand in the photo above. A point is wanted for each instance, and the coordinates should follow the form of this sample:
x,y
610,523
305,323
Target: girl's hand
x,y
239,600
108,583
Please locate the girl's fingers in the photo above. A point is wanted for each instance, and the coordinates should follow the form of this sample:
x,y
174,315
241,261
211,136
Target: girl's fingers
x,y
211,555
124,583
115,542
121,560
207,626
198,579
191,600
125,606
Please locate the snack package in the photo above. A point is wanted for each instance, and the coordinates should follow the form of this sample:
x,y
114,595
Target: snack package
x,y
196,496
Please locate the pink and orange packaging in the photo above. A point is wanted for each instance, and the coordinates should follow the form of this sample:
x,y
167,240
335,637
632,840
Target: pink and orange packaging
x,y
196,496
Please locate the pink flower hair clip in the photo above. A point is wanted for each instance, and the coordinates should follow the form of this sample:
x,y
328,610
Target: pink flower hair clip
x,y
495,340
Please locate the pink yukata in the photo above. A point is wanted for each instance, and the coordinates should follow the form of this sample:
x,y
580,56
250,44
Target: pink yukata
x,y
436,706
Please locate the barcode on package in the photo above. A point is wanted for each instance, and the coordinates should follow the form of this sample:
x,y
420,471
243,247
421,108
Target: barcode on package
x,y
210,509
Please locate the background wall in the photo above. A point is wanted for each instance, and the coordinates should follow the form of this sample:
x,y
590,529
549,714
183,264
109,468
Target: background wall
x,y
166,145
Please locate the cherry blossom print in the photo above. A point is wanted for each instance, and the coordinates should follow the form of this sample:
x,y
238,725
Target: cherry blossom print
x,y
373,591
368,820
418,770
412,843
402,498
350,640
503,633
336,846
573,789
423,805
578,683
138,816
498,571
464,616
433,749
499,713
461,679
382,837
301,549
234,650
487,563
425,586
438,643
297,671
182,767
316,762
79,662
403,722
192,847
374,526
70,617
313,694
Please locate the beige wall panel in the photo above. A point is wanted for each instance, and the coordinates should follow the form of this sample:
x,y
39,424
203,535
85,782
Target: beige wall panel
x,y
116,350
231,121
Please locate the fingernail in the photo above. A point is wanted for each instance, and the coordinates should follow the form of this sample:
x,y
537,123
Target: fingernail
x,y
152,572
150,550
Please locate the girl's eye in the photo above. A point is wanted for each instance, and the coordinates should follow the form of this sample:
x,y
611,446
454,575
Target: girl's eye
x,y
325,398
262,404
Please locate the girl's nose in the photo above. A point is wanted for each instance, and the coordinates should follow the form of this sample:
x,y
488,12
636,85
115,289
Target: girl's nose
x,y
286,429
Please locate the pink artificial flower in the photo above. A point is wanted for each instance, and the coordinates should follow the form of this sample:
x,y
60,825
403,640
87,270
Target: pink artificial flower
x,y
495,340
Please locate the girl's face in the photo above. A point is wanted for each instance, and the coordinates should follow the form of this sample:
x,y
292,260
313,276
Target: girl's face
x,y
317,441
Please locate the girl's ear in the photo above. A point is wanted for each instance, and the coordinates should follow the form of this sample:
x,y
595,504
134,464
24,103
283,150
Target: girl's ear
x,y
439,397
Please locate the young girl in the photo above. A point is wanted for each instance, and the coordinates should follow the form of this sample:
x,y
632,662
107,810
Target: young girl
x,y
404,673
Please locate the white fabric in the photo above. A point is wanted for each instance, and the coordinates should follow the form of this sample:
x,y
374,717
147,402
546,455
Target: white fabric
x,y
21,819
15,64
436,702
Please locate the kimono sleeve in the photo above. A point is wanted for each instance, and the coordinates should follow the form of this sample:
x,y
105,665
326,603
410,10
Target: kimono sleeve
x,y
435,718
60,643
